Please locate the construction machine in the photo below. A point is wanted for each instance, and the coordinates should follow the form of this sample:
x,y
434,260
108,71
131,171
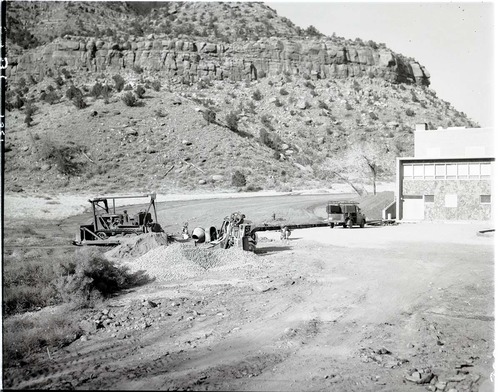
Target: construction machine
x,y
241,233
109,225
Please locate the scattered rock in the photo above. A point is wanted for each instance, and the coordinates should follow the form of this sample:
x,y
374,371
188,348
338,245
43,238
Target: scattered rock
x,y
217,177
45,167
202,182
186,143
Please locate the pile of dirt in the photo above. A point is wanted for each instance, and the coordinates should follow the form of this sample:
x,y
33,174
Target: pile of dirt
x,y
183,261
137,245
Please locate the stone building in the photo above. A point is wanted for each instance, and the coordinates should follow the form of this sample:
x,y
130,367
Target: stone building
x,y
449,178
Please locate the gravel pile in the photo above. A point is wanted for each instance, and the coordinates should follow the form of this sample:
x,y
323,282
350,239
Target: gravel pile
x,y
137,245
182,261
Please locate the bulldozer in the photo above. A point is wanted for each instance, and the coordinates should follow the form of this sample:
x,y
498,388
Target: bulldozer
x,y
108,225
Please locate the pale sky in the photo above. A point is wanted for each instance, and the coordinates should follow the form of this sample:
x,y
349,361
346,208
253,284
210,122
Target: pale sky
x,y
453,40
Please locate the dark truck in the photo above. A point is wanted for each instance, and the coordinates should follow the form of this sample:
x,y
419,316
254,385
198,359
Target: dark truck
x,y
345,213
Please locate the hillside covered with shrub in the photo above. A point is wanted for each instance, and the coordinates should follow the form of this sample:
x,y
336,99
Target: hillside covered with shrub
x,y
113,97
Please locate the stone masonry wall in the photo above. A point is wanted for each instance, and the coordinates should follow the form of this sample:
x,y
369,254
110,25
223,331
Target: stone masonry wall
x,y
468,194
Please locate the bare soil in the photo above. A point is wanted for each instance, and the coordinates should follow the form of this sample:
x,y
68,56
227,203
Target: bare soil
x,y
378,308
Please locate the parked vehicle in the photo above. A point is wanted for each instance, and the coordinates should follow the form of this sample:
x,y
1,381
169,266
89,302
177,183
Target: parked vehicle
x,y
345,214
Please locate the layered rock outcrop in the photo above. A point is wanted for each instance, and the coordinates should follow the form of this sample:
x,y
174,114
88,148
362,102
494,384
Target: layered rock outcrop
x,y
194,60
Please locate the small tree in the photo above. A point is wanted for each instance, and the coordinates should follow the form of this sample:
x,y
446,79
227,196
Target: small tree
x,y
73,92
140,91
96,90
257,95
238,179
129,99
119,82
232,121
209,116
79,102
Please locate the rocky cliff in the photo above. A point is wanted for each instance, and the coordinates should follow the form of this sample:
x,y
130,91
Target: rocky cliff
x,y
321,58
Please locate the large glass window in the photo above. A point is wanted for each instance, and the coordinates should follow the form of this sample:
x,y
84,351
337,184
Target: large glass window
x,y
485,170
418,171
408,171
440,171
451,170
429,171
463,170
474,170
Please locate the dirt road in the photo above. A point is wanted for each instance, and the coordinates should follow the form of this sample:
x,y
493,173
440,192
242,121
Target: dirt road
x,y
380,308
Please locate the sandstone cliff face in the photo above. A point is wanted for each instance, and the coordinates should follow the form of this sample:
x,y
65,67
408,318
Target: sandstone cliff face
x,y
190,60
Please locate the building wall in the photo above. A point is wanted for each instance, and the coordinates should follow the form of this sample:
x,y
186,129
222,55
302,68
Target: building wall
x,y
468,194
454,142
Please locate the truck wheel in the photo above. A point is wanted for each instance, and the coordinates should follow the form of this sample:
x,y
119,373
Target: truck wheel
x,y
349,224
344,225
332,225
362,224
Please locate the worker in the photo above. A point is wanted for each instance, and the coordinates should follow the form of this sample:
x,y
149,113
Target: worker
x,y
125,217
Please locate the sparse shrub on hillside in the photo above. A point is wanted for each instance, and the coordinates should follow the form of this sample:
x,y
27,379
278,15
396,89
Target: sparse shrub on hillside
x,y
306,76
73,92
270,140
323,105
59,80
106,93
348,106
278,103
156,85
312,31
373,116
96,90
140,91
251,107
79,102
28,119
119,82
314,93
410,112
414,97
261,74
308,84
128,87
257,95
232,121
137,69
283,91
160,113
276,155
129,99
238,179
61,156
50,97
265,119
209,116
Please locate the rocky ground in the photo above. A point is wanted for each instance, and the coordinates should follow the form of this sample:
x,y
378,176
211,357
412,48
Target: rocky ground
x,y
406,307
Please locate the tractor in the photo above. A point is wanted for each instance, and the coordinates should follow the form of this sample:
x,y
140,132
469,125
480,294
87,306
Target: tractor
x,y
345,214
108,225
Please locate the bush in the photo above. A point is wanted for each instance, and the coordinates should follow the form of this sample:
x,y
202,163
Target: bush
x,y
73,92
96,90
283,91
119,82
140,91
232,121
348,106
128,87
61,156
79,102
129,99
323,105
373,116
265,119
209,116
91,276
238,179
308,84
410,112
137,69
156,85
257,95
51,97
269,140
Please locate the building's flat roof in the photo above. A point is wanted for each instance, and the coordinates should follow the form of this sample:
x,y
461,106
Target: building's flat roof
x,y
445,159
